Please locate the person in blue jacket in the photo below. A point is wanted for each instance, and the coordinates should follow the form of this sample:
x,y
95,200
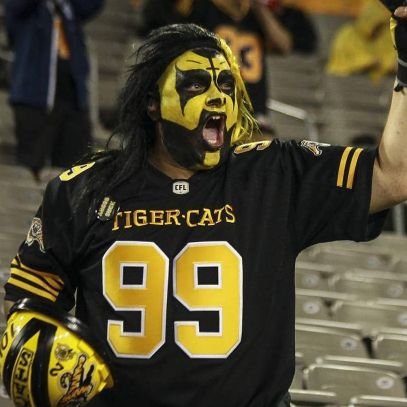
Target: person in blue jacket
x,y
49,80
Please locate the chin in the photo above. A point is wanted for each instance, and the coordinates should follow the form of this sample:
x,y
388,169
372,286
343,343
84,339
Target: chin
x,y
211,159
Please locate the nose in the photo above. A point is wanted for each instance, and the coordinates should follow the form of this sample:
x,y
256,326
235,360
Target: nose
x,y
215,101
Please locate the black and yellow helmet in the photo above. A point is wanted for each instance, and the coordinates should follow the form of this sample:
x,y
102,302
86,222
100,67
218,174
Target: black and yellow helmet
x,y
48,358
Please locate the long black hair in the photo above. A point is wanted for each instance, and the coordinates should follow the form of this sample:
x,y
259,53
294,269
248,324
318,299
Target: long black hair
x,y
135,130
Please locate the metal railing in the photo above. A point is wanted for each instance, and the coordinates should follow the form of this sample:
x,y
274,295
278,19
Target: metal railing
x,y
294,112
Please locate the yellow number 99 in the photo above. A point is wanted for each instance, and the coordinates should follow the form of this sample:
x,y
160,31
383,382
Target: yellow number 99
x,y
150,298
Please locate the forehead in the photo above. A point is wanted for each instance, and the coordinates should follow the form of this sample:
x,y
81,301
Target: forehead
x,y
195,59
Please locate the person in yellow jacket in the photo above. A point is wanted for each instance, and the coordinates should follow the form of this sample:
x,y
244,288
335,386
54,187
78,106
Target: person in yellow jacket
x,y
364,45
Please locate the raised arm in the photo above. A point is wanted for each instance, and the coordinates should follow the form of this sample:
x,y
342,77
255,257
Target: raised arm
x,y
276,35
390,170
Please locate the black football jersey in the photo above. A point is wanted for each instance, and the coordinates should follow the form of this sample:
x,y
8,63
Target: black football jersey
x,y
190,283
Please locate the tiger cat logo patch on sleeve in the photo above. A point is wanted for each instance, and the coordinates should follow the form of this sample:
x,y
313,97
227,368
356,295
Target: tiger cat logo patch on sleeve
x,y
313,146
35,234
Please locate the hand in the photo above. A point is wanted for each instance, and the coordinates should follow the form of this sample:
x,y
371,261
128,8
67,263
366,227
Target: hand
x,y
392,5
399,31
398,27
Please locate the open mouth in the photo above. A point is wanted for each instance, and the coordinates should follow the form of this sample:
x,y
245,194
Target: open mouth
x,y
213,131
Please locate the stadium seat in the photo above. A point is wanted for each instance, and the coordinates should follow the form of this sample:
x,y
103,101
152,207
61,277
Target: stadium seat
x,y
313,398
400,265
348,382
392,347
297,382
369,284
310,279
313,342
353,257
371,317
387,243
311,307
327,296
377,364
305,264
377,401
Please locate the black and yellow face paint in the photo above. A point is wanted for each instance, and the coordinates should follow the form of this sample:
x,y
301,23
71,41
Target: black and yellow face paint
x,y
198,106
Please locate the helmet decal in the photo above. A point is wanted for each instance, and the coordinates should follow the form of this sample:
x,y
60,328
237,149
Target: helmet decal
x,y
79,386
64,352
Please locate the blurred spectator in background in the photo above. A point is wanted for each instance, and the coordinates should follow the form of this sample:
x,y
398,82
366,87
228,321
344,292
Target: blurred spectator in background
x,y
252,28
49,89
364,45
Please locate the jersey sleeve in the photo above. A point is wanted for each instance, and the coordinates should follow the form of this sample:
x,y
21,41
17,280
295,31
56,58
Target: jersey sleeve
x,y
332,193
43,267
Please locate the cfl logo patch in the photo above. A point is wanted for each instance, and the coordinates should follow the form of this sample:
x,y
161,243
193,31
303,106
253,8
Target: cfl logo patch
x,y
180,187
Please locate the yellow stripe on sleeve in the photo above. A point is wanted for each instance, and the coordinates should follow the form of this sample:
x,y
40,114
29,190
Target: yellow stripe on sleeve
x,y
342,166
53,276
31,289
52,280
352,168
34,279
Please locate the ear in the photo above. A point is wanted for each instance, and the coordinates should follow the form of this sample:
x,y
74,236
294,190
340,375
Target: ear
x,y
153,108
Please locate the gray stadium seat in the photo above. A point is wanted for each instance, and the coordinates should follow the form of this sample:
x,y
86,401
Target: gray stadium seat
x,y
306,264
391,347
313,342
297,380
311,307
400,265
357,257
314,398
369,285
377,364
310,279
348,382
377,401
370,316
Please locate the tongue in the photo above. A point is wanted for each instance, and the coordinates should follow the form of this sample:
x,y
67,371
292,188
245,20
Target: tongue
x,y
210,135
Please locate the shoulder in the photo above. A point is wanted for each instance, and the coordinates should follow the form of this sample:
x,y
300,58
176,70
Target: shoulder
x,y
256,157
252,147
274,149
299,154
69,187
73,176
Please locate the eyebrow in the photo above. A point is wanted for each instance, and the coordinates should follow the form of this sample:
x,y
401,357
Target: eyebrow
x,y
201,63
194,61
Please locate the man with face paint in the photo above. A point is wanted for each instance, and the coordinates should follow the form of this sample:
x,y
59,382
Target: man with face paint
x,y
178,247
198,109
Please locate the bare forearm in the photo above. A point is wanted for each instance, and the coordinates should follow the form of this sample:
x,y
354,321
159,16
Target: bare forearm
x,y
277,36
390,170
